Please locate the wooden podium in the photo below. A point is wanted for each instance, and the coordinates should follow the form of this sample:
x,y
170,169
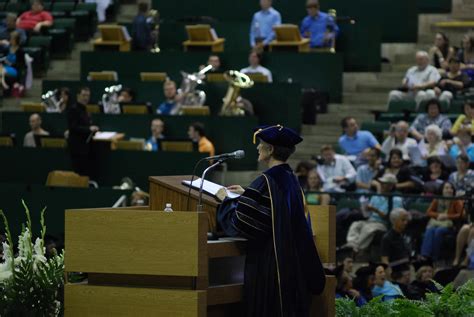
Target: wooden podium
x,y
146,262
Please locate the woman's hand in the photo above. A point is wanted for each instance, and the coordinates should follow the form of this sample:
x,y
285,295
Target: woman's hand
x,y
442,217
236,189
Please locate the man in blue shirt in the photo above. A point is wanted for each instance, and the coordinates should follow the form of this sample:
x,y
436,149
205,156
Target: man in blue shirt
x,y
157,128
355,142
263,21
168,107
318,26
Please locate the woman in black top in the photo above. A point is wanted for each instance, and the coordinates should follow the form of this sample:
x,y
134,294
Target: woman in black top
x,y
441,51
466,55
397,167
452,82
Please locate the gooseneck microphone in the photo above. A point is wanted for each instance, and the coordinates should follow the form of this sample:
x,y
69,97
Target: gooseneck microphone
x,y
239,154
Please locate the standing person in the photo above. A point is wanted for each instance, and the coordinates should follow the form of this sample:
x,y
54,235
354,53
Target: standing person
x,y
141,29
318,26
282,265
263,21
81,132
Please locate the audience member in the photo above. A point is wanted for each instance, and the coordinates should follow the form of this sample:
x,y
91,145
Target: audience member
x,y
197,133
263,21
397,167
36,129
395,245
367,172
432,144
215,61
365,281
81,132
255,67
344,288
141,29
452,82
419,81
466,55
401,277
9,26
126,95
35,19
432,116
314,184
398,139
101,8
318,26
441,52
157,128
64,99
383,287
424,278
336,172
464,238
302,170
348,265
361,233
463,145
169,106
442,213
14,60
465,120
463,178
434,176
356,142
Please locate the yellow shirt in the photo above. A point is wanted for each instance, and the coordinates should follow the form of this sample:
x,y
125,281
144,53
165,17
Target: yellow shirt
x,y
459,122
205,146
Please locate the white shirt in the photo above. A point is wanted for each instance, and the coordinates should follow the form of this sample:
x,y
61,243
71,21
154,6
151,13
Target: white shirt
x,y
340,167
390,144
259,69
415,76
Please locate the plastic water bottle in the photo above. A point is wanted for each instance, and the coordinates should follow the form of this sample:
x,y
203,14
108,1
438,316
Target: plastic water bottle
x,y
168,208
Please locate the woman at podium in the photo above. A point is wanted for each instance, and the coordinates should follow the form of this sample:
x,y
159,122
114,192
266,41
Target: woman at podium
x,y
282,268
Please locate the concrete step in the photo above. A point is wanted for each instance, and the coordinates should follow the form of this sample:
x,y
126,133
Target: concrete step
x,y
365,98
381,87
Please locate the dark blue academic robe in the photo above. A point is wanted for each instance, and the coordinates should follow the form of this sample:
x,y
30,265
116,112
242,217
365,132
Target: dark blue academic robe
x,y
282,268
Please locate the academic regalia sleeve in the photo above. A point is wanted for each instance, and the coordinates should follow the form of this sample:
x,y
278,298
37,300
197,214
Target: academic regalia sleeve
x,y
250,214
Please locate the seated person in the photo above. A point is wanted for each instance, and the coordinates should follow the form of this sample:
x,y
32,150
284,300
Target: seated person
x,y
395,245
441,52
302,170
432,144
398,139
396,166
434,175
362,232
344,288
157,128
126,95
215,61
466,55
314,184
452,82
367,172
462,145
9,26
419,81
318,26
364,281
463,178
261,27
387,289
463,240
169,106
432,116
35,19
14,60
197,133
255,67
36,129
336,172
443,213
465,120
356,142
424,278
401,277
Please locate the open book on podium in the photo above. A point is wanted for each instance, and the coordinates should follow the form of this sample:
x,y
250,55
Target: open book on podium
x,y
209,187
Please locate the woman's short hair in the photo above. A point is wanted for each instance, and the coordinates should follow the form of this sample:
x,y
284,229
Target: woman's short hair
x,y
433,101
435,129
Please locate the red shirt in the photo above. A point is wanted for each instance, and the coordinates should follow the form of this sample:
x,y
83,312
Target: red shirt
x,y
29,19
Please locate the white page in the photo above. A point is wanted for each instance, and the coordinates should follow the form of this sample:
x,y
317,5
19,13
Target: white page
x,y
210,187
104,135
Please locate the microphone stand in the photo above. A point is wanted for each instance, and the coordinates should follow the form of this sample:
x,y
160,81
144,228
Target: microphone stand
x,y
199,206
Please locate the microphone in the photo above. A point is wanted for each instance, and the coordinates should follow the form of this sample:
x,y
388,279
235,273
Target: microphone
x,y
239,154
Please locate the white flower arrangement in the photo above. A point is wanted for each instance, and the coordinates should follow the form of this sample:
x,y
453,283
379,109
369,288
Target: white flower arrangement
x,y
29,282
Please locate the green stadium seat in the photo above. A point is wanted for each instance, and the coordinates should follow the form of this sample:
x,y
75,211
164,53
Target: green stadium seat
x,y
457,106
45,43
419,206
63,6
62,41
401,106
377,128
391,117
86,22
351,203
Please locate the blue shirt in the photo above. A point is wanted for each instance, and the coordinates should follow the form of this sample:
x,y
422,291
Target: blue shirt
x,y
365,173
388,290
381,203
317,26
358,143
262,25
455,151
166,107
154,144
